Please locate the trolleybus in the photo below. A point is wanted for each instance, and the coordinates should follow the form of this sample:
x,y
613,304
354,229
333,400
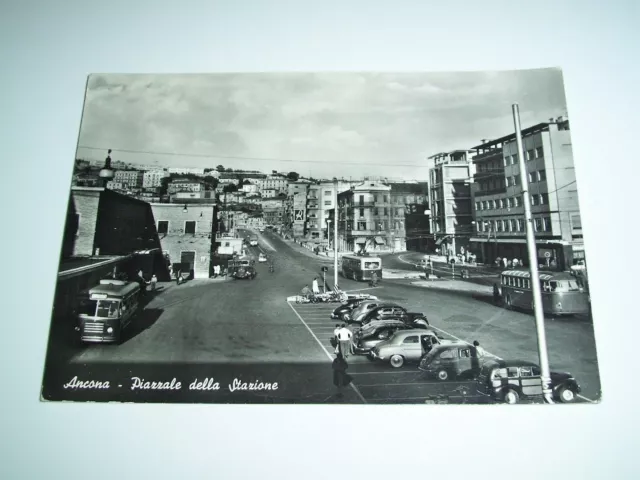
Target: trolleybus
x,y
360,267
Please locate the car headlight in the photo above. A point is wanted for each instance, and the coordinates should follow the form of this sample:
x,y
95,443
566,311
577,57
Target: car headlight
x,y
109,330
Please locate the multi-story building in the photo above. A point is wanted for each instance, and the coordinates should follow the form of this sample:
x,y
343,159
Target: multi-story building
x,y
450,200
277,183
497,193
409,201
249,187
297,211
186,233
132,178
153,178
111,185
185,185
320,205
269,192
186,171
364,218
299,186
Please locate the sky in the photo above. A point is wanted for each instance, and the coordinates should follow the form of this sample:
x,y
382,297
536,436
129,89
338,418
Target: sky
x,y
322,125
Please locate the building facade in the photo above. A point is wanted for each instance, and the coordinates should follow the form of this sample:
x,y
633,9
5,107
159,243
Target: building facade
x,y
153,178
183,185
364,218
450,199
409,202
497,193
186,171
320,206
131,178
277,183
187,234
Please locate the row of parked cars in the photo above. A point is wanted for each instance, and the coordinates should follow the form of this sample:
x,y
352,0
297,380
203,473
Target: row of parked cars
x,y
388,333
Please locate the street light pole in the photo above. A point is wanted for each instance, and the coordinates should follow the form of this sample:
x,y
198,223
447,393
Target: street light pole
x,y
533,263
335,234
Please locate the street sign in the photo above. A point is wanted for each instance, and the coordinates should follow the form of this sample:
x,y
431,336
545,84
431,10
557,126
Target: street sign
x,y
325,269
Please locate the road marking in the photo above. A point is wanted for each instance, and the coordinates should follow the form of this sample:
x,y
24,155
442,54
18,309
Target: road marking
x,y
355,389
587,399
361,289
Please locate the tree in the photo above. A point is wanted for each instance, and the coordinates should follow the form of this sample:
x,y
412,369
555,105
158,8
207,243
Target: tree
x,y
220,168
293,176
232,187
164,185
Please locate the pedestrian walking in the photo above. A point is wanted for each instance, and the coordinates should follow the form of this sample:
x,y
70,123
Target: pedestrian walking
x,y
315,287
154,281
334,340
477,352
341,378
178,277
344,340
374,279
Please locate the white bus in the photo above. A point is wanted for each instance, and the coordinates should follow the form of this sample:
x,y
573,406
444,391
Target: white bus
x,y
359,267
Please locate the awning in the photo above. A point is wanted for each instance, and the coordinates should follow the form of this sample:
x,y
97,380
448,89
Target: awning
x,y
361,240
379,240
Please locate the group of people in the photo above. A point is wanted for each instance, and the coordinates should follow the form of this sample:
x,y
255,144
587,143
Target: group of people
x,y
504,262
143,282
315,289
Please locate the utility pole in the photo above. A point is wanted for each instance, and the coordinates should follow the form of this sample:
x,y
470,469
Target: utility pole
x,y
335,234
533,263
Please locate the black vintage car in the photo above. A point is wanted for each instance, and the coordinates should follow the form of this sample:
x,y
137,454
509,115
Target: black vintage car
x,y
341,310
511,381
393,311
245,272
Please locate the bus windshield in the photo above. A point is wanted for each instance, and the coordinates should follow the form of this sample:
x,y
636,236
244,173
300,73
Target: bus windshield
x,y
565,286
108,308
87,307
371,265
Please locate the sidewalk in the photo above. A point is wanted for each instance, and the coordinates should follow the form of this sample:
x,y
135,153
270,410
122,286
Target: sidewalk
x,y
454,285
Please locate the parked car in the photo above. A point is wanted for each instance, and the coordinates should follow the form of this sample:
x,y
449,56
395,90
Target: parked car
x,y
262,258
245,272
393,311
405,346
341,311
510,381
450,360
366,338
357,313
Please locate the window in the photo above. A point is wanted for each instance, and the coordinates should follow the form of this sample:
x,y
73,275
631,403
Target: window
x,y
190,227
492,204
538,152
480,225
447,354
542,175
510,202
514,225
385,199
362,212
534,199
386,212
327,193
509,181
477,205
526,372
362,225
485,205
532,177
505,161
547,224
411,339
499,225
531,154
505,225
163,227
518,201
521,225
544,199
361,200
516,180
375,211
514,159
538,224
327,202
398,212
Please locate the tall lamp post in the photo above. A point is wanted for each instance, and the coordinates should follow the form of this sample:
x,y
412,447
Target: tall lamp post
x,y
335,234
107,173
533,263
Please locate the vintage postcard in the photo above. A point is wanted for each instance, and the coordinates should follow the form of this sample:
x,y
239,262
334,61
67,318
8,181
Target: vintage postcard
x,y
361,238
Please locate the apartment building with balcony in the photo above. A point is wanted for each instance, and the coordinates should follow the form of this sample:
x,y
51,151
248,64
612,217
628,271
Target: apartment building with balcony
x,y
450,200
153,178
409,215
364,218
320,206
131,178
497,193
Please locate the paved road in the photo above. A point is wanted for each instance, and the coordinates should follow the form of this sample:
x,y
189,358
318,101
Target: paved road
x,y
245,328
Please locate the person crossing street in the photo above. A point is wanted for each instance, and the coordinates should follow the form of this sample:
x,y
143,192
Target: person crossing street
x,y
344,340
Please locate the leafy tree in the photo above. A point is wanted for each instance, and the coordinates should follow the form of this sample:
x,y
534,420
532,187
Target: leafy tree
x,y
232,187
293,176
220,168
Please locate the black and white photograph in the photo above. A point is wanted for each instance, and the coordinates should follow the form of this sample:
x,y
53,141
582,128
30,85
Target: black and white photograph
x,y
324,238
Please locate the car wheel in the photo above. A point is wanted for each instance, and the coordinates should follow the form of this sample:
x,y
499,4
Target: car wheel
x,y
442,375
566,395
511,397
396,361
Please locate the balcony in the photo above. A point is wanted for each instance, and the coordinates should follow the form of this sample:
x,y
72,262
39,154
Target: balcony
x,y
487,155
